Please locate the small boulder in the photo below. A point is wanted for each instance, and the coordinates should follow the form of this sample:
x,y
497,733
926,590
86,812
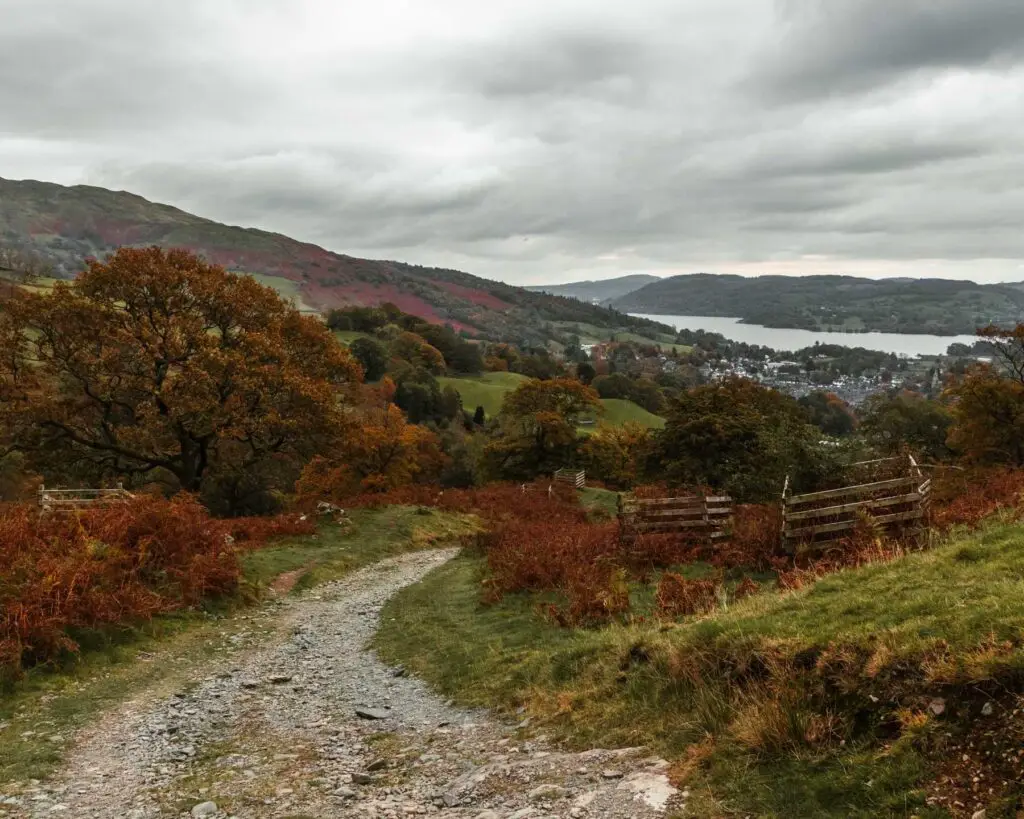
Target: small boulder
x,y
547,792
204,809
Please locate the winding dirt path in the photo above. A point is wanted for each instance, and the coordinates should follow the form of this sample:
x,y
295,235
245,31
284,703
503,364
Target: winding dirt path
x,y
303,721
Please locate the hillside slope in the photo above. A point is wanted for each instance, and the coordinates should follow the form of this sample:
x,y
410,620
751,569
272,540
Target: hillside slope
x,y
66,225
937,306
601,292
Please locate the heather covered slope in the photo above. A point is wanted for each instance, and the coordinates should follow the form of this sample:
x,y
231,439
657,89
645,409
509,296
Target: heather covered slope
x,y
66,225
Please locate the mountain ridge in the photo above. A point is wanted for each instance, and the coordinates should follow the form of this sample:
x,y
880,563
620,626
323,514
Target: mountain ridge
x,y
599,291
834,302
65,225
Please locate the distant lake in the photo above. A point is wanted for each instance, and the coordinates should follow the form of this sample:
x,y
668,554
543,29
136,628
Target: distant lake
x,y
909,344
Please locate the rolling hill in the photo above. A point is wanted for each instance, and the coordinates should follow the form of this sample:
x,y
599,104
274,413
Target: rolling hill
x,y
66,225
598,292
939,306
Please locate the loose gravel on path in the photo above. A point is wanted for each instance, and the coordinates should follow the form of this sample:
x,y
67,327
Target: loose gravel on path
x,y
301,721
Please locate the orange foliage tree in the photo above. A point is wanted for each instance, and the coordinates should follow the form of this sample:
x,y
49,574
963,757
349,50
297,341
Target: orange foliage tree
x,y
617,454
158,366
988,413
537,431
415,349
388,452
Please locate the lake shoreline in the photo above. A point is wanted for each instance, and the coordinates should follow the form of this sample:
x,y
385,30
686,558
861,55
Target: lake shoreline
x,y
791,339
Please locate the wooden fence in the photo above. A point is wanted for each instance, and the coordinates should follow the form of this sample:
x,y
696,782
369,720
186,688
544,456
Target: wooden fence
x,y
813,521
72,500
706,516
526,488
571,477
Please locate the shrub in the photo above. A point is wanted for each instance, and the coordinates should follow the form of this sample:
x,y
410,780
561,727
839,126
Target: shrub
x,y
678,596
105,566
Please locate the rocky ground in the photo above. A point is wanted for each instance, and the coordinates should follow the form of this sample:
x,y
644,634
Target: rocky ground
x,y
299,720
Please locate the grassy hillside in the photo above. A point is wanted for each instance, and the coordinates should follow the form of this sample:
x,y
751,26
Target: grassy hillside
x,y
618,410
489,390
824,698
66,225
834,302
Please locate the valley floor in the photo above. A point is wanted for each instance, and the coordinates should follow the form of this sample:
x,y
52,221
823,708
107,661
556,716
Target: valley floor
x,y
295,717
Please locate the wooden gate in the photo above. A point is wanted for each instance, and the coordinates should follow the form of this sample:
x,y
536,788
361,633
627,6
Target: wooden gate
x,y
572,477
72,500
705,516
817,520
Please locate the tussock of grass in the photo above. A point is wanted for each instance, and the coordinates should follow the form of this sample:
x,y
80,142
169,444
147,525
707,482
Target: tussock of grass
x,y
800,691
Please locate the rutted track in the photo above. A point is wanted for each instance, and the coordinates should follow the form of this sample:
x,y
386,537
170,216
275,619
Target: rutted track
x,y
305,722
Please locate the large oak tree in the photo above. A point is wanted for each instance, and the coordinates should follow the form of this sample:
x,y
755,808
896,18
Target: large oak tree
x,y
155,365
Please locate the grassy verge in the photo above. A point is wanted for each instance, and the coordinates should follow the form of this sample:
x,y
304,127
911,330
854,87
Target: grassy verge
x,y
783,705
39,717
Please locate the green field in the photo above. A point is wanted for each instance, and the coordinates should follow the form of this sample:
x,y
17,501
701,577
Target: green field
x,y
348,336
618,411
487,390
286,287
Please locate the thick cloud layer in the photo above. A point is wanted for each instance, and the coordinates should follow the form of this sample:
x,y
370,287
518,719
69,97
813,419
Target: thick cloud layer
x,y
545,141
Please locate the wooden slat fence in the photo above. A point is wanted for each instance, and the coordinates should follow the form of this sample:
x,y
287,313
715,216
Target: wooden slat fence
x,y
71,500
572,477
708,516
815,520
526,488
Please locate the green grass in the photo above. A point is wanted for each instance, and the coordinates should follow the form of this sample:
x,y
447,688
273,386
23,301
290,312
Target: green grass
x,y
374,534
156,656
589,687
288,289
618,411
487,390
348,336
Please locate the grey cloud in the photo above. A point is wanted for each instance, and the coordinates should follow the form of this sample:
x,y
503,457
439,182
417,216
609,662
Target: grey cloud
x,y
837,46
537,140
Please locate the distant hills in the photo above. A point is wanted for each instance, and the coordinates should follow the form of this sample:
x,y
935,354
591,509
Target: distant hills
x,y
66,225
598,292
938,306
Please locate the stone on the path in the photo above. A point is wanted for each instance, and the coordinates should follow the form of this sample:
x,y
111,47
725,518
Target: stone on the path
x,y
280,679
610,774
372,713
344,792
547,791
204,809
980,814
987,709
487,814
377,765
362,779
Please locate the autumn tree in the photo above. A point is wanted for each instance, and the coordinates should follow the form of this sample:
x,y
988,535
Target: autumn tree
x,y
988,415
372,357
740,437
388,452
415,350
892,423
617,454
830,413
155,365
537,427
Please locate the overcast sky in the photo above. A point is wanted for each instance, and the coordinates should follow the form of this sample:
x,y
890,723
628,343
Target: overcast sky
x,y
546,140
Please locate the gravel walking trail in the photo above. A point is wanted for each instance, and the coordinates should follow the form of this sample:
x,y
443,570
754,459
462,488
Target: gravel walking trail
x,y
300,721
